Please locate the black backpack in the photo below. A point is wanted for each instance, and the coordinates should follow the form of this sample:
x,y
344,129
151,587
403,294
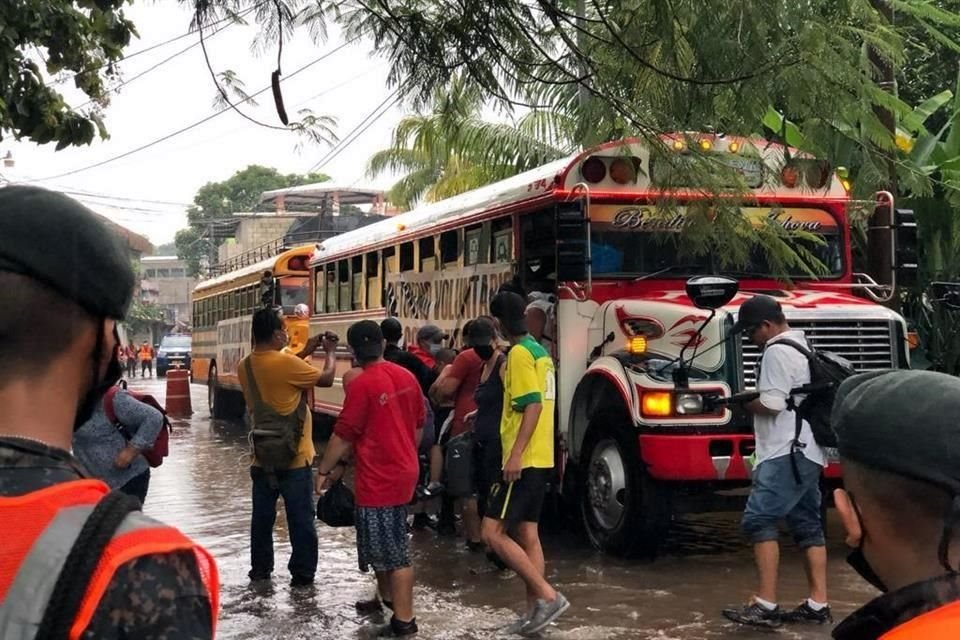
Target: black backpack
x,y
827,371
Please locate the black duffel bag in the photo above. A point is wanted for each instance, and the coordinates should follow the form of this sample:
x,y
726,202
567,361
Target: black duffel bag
x,y
335,507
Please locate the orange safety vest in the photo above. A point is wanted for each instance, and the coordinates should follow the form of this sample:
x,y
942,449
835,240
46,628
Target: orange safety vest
x,y
39,529
146,354
939,624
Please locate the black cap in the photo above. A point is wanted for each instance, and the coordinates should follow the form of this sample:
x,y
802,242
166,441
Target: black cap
x,y
55,240
757,310
481,331
431,333
510,309
392,329
902,422
366,340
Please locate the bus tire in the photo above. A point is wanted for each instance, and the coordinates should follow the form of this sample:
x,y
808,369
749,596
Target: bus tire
x,y
624,511
216,398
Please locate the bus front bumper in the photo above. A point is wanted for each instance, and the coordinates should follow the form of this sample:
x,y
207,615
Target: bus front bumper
x,y
715,457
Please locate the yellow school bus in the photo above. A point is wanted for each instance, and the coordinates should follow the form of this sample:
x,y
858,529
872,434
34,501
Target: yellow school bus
x,y
223,309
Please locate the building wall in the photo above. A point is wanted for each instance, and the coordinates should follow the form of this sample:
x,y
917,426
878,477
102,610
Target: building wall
x,y
165,283
255,232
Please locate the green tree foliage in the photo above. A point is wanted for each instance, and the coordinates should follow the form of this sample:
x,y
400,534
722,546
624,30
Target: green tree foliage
x,y
452,149
216,202
70,41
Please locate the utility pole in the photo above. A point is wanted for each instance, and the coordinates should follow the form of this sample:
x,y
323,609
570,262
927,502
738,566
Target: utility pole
x,y
880,235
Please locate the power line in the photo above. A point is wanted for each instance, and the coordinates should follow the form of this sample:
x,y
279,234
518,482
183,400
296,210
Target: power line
x,y
358,130
194,125
179,53
154,47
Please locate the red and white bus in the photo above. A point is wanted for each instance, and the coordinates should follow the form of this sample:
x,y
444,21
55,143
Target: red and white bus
x,y
588,230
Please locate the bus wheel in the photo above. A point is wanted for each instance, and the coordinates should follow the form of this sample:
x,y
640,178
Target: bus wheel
x,y
624,511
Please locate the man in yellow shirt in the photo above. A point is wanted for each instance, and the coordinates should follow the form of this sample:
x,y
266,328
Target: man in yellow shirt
x,y
279,383
526,434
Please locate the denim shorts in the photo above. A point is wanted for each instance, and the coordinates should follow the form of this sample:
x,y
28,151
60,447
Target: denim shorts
x,y
777,496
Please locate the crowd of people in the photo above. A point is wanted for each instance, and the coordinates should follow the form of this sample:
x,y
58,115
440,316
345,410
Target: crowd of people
x,y
106,570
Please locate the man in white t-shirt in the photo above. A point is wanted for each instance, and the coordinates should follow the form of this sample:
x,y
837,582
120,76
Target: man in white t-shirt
x,y
786,473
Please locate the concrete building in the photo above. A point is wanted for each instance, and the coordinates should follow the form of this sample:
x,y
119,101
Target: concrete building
x,y
164,282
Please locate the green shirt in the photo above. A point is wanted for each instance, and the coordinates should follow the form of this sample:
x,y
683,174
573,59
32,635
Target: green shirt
x,y
529,378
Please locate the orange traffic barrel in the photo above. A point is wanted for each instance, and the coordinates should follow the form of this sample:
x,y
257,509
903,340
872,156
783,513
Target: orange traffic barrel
x,y
178,393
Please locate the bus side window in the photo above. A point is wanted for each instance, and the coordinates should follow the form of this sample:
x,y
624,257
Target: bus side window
x,y
477,245
406,257
502,233
428,254
320,289
343,268
390,261
332,289
450,249
538,250
356,275
374,282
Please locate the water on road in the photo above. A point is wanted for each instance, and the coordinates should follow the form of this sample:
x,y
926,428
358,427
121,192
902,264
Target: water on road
x,y
204,489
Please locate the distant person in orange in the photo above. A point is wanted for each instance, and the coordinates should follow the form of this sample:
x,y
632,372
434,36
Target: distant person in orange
x,y
146,359
130,351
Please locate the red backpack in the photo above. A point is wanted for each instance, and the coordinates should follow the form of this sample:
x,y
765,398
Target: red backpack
x,y
161,446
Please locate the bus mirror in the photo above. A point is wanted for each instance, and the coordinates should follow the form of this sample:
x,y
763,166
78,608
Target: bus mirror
x,y
573,258
711,292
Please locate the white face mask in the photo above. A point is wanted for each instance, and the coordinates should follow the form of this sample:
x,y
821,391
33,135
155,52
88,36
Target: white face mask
x,y
435,348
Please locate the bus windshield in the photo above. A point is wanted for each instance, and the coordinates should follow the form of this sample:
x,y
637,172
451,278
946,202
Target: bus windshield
x,y
294,290
630,241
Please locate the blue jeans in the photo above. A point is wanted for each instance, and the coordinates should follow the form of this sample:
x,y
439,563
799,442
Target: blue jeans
x,y
777,496
296,487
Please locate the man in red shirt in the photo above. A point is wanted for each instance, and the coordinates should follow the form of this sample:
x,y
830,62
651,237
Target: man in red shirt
x,y
381,422
457,383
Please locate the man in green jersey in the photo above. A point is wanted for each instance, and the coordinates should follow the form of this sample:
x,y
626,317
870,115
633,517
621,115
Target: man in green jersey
x,y
526,434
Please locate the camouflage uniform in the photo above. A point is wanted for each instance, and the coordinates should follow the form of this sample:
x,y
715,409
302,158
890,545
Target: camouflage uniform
x,y
891,610
157,596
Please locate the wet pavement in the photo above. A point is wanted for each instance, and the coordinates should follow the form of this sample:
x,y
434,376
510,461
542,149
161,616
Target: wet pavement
x,y
204,489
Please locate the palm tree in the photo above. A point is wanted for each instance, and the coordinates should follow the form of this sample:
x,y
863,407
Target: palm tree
x,y
453,149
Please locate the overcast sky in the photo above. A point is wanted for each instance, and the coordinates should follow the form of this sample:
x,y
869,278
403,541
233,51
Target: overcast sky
x,y
160,181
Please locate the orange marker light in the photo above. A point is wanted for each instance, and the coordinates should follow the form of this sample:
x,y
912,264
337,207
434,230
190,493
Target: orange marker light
x,y
913,339
706,145
733,147
656,404
637,344
679,145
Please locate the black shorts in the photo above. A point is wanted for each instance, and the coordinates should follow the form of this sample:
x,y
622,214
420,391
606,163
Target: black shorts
x,y
519,501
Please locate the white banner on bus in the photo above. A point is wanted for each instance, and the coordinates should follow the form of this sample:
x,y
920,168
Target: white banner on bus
x,y
446,299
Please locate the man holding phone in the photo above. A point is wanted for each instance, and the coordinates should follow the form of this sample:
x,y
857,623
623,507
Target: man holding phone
x,y
280,381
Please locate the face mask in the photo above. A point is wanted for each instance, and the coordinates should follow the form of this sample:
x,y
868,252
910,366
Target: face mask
x,y
100,387
485,351
435,348
858,562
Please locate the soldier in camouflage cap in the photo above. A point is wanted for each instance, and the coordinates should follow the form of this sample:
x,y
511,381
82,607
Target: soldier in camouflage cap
x,y
64,283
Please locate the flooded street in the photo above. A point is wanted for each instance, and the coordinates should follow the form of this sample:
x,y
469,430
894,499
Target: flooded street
x,y
204,488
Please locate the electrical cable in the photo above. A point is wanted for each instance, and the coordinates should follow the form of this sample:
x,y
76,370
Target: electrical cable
x,y
194,125
179,53
358,130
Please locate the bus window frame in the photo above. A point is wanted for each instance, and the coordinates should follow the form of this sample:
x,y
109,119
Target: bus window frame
x,y
343,285
482,232
357,288
496,234
331,268
373,279
412,261
427,263
443,242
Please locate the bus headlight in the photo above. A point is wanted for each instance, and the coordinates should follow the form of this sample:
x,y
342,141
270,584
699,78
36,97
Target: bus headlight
x,y
689,404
